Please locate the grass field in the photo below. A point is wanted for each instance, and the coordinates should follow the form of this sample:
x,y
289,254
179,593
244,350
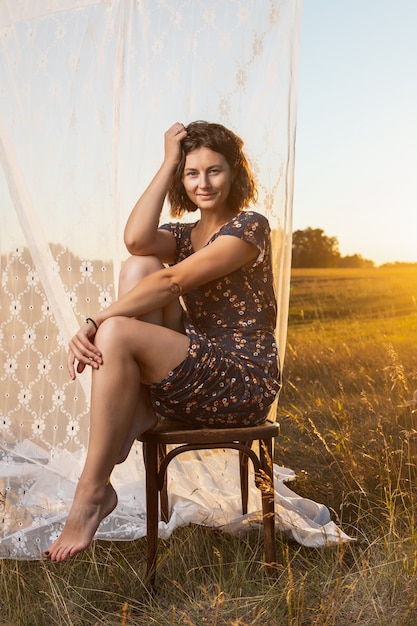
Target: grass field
x,y
348,428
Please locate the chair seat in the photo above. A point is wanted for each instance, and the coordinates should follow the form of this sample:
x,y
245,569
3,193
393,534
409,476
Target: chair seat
x,y
173,431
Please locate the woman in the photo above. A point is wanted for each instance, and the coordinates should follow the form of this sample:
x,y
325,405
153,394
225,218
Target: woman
x,y
214,363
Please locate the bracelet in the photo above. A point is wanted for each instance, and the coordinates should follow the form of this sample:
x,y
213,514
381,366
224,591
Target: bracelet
x,y
89,319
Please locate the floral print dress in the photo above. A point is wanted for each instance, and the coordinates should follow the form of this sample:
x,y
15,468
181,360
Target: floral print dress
x,y
230,376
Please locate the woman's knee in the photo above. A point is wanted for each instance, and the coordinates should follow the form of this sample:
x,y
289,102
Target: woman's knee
x,y
125,335
111,331
135,269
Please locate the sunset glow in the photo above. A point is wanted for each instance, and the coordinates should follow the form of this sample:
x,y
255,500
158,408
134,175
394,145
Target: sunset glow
x,y
357,131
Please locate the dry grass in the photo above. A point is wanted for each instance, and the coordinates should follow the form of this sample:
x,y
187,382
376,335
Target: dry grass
x,y
348,429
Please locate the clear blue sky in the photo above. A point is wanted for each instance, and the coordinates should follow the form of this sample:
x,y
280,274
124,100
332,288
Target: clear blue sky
x,y
356,151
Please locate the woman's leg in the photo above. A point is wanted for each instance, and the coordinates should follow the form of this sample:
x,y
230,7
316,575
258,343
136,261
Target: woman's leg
x,y
133,351
129,347
134,269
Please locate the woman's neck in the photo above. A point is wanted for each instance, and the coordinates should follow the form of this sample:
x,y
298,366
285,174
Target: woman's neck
x,y
210,221
207,226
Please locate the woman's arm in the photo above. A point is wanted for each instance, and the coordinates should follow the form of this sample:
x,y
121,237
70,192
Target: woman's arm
x,y
141,235
155,291
225,255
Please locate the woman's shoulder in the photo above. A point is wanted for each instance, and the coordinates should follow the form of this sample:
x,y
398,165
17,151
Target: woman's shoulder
x,y
250,219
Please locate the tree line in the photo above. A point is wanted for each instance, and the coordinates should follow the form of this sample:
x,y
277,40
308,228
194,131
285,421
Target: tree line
x,y
311,247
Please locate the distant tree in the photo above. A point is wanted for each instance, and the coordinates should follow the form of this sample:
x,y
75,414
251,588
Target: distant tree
x,y
312,248
355,260
398,264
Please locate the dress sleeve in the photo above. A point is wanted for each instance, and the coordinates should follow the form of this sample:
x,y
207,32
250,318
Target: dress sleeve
x,y
176,229
252,227
169,227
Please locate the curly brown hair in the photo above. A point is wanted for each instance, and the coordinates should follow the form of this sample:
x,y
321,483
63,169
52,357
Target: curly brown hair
x,y
220,139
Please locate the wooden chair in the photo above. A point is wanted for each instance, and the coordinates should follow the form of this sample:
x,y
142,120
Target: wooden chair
x,y
186,438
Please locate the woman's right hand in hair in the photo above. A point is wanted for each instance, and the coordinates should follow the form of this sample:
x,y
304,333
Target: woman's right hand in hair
x,y
173,137
141,234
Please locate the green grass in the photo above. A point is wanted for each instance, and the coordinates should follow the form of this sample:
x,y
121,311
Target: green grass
x,y
353,294
348,429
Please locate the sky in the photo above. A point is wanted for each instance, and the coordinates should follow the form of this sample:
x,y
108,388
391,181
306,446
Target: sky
x,y
356,146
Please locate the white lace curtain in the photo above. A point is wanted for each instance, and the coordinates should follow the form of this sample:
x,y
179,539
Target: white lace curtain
x,y
87,88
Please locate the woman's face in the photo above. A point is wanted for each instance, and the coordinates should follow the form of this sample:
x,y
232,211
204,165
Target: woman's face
x,y
207,179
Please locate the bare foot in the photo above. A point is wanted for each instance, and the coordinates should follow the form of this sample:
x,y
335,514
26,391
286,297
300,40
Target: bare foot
x,y
83,520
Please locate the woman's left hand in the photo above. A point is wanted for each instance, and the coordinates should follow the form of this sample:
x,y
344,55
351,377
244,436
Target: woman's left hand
x,y
82,349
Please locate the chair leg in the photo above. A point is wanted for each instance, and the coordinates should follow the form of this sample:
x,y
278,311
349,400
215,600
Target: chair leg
x,y
162,450
243,470
268,509
151,462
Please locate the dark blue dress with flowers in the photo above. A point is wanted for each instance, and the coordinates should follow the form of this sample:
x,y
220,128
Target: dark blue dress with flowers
x,y
230,376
